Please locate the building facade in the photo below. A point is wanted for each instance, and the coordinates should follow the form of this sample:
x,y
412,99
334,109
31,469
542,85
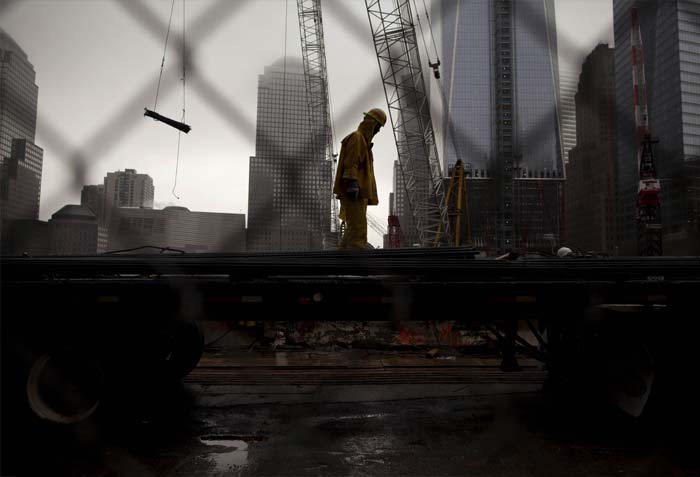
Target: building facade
x,y
21,159
73,231
127,188
92,197
20,181
27,236
289,198
401,208
671,40
591,173
504,65
177,228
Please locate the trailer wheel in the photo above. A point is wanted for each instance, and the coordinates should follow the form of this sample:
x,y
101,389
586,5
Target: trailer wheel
x,y
64,387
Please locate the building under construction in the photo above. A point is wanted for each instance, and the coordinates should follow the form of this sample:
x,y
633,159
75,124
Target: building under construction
x,y
502,118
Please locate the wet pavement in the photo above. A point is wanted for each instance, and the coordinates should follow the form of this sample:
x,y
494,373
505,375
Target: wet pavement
x,y
291,413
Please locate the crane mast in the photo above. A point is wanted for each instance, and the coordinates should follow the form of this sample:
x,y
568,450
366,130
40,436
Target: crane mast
x,y
400,67
316,80
649,232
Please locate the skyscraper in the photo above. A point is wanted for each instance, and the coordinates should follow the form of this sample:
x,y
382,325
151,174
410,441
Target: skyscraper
x,y
670,36
20,159
289,198
502,116
568,84
591,173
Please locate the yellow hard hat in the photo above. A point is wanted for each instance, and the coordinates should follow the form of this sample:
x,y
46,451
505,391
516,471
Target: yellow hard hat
x,y
378,115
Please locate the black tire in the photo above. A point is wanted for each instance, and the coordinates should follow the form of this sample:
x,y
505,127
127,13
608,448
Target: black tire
x,y
185,345
65,387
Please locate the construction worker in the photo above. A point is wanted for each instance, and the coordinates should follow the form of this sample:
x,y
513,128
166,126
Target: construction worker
x,y
355,185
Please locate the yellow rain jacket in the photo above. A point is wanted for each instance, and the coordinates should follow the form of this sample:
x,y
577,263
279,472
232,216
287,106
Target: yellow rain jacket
x,y
356,162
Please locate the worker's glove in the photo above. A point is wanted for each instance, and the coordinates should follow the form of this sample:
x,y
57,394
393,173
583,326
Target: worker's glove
x,y
353,190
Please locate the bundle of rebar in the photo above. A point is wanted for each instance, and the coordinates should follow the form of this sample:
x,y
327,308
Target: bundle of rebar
x,y
435,264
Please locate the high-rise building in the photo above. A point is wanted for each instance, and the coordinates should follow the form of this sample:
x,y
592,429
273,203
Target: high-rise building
x,y
503,117
591,173
18,95
568,83
20,159
289,198
126,188
177,228
670,38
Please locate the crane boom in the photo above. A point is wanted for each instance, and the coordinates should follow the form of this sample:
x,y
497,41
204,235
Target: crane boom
x,y
316,79
376,225
400,67
649,231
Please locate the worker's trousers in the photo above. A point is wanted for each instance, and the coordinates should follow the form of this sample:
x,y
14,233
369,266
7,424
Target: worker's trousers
x,y
354,214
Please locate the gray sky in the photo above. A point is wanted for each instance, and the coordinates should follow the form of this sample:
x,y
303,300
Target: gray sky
x,y
96,61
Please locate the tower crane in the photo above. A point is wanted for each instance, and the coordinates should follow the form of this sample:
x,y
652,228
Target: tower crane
x,y
396,45
316,81
649,232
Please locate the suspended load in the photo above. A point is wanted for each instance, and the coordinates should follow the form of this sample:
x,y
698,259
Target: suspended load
x,y
170,122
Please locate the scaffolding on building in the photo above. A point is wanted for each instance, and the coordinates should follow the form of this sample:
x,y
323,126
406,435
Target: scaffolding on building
x,y
505,121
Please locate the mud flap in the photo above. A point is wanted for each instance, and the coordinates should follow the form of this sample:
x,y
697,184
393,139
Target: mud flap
x,y
630,378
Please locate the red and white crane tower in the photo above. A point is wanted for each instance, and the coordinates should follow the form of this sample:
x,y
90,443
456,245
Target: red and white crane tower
x,y
649,233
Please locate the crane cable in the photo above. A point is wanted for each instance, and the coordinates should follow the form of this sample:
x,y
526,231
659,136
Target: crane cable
x,y
165,50
184,89
450,124
443,96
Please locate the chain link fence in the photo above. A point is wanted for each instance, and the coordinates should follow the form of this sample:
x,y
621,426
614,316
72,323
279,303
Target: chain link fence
x,y
84,155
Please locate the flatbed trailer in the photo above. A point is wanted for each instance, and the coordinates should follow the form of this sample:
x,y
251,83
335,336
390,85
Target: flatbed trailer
x,y
135,316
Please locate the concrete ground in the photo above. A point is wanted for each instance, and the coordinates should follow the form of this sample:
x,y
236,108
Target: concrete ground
x,y
354,412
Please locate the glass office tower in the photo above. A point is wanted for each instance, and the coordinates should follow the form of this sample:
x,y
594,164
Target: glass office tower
x,y
20,159
289,198
671,40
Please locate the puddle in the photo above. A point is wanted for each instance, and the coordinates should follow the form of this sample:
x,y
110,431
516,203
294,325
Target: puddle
x,y
230,453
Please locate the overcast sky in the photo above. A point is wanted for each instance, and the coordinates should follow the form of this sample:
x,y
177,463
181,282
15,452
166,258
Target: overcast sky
x,y
97,63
